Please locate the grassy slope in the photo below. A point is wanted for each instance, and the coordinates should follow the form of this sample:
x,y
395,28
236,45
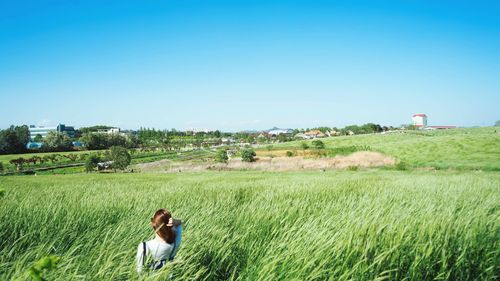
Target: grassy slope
x,y
259,226
477,148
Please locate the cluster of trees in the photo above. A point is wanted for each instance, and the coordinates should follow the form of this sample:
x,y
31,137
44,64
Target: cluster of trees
x,y
97,141
367,128
49,158
13,140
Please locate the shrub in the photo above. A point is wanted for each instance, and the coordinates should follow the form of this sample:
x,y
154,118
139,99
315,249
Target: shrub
x,y
38,270
352,168
289,154
221,156
401,166
91,162
1,167
248,155
304,145
318,144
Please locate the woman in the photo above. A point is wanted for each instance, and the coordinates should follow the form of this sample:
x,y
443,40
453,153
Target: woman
x,y
156,252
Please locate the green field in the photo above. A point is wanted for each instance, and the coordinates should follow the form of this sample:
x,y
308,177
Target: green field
x,y
344,225
463,149
438,220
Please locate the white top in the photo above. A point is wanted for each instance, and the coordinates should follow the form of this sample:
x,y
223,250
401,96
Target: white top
x,y
156,248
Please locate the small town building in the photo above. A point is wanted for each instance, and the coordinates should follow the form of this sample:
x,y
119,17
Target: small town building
x,y
44,131
277,131
419,120
315,134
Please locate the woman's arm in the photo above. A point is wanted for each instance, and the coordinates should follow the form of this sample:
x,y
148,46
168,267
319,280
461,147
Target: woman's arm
x,y
139,257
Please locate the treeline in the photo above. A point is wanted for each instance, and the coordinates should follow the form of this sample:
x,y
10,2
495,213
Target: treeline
x,y
14,139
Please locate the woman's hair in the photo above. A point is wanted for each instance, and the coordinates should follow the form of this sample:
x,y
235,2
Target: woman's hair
x,y
161,225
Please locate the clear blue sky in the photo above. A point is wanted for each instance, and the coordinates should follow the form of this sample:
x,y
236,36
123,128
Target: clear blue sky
x,y
237,65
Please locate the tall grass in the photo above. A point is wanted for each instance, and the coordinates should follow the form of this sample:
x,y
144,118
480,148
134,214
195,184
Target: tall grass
x,y
362,225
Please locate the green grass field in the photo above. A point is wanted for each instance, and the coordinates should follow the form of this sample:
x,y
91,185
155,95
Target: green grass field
x,y
463,149
372,224
344,225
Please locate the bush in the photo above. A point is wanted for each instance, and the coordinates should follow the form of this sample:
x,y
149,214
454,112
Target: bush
x,y
401,166
91,162
352,168
318,144
304,145
221,156
42,266
1,167
248,155
289,154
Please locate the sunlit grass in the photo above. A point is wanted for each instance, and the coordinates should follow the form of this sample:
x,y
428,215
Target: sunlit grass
x,y
463,149
358,225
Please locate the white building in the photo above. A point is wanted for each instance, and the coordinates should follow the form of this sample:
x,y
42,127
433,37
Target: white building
x,y
419,120
277,131
44,131
109,131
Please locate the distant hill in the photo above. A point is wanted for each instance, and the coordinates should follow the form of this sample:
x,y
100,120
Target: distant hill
x,y
468,148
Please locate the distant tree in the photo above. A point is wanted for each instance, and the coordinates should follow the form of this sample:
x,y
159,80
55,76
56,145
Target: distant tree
x,y
18,162
283,138
304,146
93,141
133,141
120,157
318,144
57,141
14,139
38,138
248,155
72,157
116,140
91,162
35,159
221,156
85,130
23,133
497,123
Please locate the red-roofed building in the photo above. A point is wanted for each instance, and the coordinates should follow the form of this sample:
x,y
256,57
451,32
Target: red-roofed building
x,y
419,120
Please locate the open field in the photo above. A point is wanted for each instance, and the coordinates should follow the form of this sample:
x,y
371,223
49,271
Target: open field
x,y
464,149
359,225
